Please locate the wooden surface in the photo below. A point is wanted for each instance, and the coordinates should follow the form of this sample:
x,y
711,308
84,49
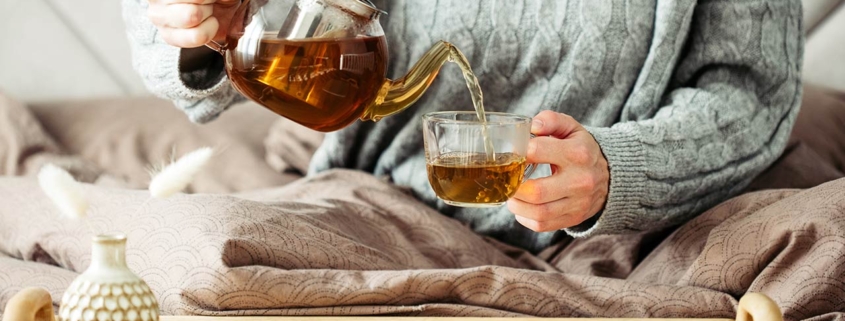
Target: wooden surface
x,y
384,318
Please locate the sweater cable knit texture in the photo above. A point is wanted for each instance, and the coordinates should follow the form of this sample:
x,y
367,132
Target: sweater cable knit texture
x,y
689,100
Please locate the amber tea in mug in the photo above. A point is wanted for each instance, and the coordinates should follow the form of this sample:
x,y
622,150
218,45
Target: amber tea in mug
x,y
473,179
462,170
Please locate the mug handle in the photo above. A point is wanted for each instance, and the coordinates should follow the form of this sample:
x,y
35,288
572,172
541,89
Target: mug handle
x,y
528,171
530,168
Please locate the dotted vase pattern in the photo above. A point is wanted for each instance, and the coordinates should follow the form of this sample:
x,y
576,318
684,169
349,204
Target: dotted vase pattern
x,y
86,300
108,290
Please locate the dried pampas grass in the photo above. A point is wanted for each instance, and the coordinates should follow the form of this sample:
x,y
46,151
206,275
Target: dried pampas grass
x,y
63,190
67,194
176,176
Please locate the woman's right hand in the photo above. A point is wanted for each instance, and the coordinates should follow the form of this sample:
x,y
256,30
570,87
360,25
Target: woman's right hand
x,y
192,23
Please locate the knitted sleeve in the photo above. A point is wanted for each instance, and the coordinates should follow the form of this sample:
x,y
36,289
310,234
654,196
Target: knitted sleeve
x,y
727,113
202,93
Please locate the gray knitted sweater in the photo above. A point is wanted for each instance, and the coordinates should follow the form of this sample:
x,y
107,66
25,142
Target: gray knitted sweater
x,y
689,100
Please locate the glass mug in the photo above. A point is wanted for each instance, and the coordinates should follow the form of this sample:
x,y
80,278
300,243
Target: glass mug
x,y
459,168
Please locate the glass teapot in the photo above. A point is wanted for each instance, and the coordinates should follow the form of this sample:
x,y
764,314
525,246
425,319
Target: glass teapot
x,y
324,66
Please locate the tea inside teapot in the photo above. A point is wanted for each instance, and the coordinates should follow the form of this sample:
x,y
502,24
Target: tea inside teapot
x,y
323,84
324,66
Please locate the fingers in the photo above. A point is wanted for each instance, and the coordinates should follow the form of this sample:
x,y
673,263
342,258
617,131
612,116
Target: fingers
x,y
579,184
561,141
179,15
561,152
539,191
572,184
224,3
548,217
558,214
168,2
190,23
193,37
559,186
549,123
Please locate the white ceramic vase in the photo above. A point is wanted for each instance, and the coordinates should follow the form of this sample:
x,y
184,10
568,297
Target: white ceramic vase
x,y
108,290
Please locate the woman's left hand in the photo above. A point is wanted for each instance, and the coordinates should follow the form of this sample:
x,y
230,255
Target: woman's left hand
x,y
578,186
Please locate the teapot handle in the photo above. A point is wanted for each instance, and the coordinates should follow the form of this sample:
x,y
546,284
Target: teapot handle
x,y
221,48
216,46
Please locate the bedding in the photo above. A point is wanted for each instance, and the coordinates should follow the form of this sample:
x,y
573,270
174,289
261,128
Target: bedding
x,y
347,243
125,137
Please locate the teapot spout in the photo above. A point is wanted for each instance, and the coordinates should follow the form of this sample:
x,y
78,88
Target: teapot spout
x,y
396,95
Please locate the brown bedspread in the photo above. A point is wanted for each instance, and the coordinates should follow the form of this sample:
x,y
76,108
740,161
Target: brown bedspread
x,y
345,242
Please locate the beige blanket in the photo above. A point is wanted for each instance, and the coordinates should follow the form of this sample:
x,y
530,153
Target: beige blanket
x,y
345,242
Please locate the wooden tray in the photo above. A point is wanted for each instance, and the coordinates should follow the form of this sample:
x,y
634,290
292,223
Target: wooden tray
x,y
196,318
35,304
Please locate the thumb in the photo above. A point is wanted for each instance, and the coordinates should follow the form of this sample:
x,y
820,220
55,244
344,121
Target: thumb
x,y
549,123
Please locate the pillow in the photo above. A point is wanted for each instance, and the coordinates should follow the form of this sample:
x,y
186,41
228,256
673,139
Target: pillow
x,y
815,153
294,245
126,136
24,146
290,146
821,125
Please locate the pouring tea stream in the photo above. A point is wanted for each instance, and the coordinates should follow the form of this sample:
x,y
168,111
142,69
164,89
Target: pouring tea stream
x,y
325,65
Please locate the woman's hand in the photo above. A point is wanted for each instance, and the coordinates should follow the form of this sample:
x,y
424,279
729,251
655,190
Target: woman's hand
x,y
192,23
578,186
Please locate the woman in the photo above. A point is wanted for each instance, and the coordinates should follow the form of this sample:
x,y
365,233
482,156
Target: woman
x,y
648,112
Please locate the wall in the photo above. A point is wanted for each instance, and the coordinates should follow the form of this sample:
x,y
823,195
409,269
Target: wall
x,y
58,49
824,56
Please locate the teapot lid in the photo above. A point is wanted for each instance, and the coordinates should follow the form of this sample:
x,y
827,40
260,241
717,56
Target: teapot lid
x,y
364,8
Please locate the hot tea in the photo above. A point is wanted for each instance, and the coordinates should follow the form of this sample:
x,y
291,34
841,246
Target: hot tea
x,y
473,178
323,84
324,64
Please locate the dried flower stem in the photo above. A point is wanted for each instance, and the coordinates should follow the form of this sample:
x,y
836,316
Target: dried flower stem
x,y
178,174
63,190
67,194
